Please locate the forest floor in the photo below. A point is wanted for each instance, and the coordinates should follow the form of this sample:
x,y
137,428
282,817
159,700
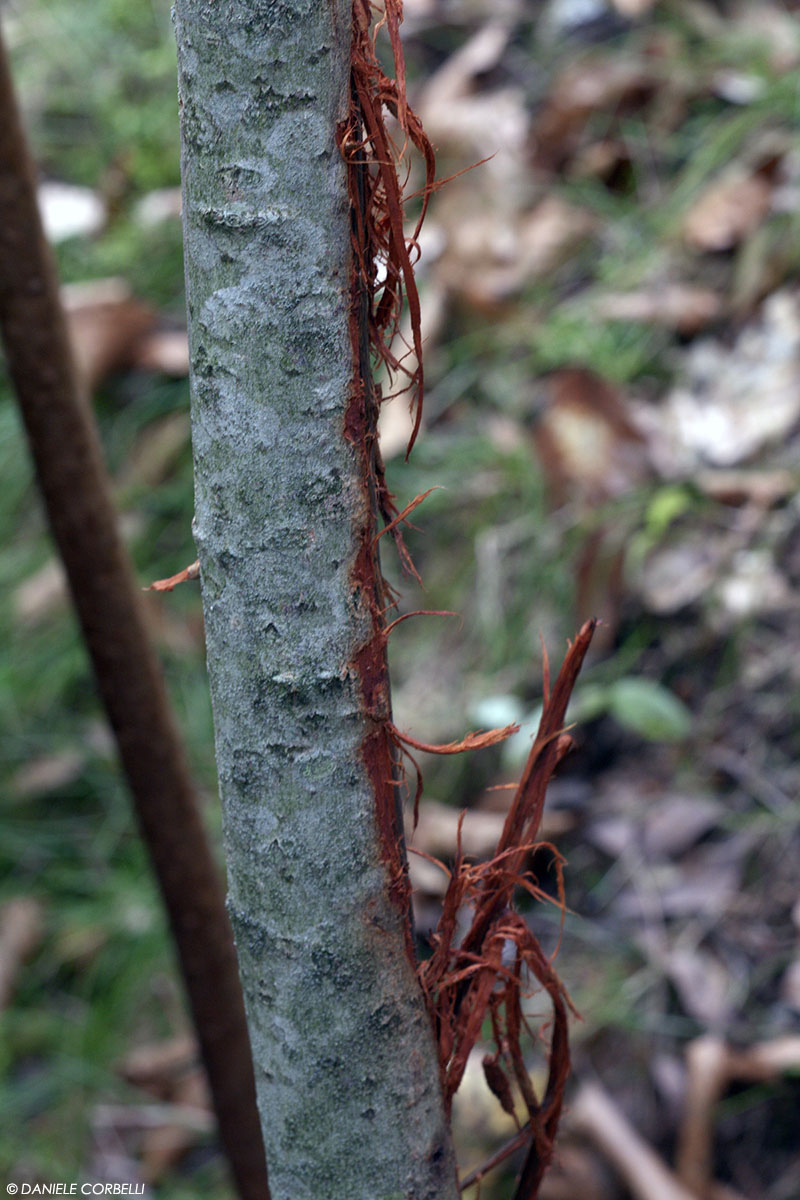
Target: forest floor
x,y
612,320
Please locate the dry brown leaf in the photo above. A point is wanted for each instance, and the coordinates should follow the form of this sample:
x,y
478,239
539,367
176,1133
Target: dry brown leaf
x,y
586,439
549,233
763,488
164,350
456,77
727,211
591,450
171,1072
633,8
42,594
610,84
683,307
164,1145
105,322
608,160
489,260
157,1065
46,774
467,123
20,934
437,829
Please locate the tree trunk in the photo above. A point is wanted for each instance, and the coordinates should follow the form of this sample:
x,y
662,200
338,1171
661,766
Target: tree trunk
x,y
345,1061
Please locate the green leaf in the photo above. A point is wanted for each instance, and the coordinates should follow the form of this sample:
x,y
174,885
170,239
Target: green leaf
x,y
649,709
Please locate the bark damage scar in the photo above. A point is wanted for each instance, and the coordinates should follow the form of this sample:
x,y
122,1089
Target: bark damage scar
x,y
488,972
375,163
376,204
369,663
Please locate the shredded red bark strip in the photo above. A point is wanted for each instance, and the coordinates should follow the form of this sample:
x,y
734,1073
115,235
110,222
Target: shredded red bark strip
x,y
166,585
375,166
490,971
470,741
409,508
418,612
378,237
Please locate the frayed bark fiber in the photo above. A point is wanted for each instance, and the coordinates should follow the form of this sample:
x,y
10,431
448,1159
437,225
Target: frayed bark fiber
x,y
466,981
489,971
376,193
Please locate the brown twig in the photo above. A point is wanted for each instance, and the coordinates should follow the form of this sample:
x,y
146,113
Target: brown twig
x,y
75,488
595,1114
500,1156
713,1065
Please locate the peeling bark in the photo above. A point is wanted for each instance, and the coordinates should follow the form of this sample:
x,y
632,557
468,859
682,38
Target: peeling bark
x,y
345,1061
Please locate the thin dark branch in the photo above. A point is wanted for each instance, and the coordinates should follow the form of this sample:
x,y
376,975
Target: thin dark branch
x,y
514,1143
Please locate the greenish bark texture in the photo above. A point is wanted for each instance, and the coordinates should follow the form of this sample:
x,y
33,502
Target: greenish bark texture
x,y
345,1062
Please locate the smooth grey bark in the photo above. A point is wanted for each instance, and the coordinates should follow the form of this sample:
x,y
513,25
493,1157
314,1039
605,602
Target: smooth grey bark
x,y
344,1055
